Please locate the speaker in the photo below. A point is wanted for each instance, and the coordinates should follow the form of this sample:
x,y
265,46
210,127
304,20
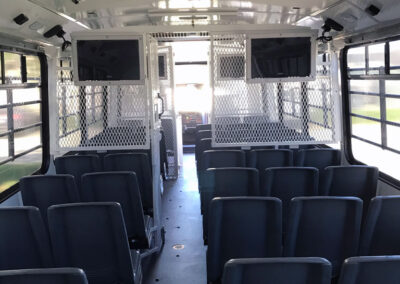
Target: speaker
x,y
56,30
372,10
20,19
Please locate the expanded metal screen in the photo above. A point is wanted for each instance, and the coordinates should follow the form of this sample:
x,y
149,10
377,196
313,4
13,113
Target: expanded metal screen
x,y
168,119
100,117
268,113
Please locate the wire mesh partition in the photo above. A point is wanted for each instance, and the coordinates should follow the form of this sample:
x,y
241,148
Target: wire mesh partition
x,y
268,113
100,117
168,119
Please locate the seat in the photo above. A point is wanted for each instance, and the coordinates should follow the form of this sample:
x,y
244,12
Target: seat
x,y
381,232
43,276
202,134
77,166
140,165
218,159
203,127
227,182
222,159
358,181
262,159
299,270
121,187
24,239
318,158
204,145
242,227
42,191
371,270
327,227
92,236
289,182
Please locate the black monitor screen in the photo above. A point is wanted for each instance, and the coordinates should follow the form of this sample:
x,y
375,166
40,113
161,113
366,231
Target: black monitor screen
x,y
108,60
232,66
280,57
161,66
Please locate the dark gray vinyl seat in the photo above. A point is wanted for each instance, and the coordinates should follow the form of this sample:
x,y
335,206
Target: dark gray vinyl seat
x,y
371,270
77,165
139,164
358,181
203,145
327,227
92,236
227,182
223,159
201,127
381,232
242,227
263,159
43,276
288,182
202,134
42,191
121,187
318,158
24,239
299,270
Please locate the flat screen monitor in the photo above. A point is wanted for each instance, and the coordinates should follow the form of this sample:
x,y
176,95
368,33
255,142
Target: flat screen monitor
x,y
104,60
282,57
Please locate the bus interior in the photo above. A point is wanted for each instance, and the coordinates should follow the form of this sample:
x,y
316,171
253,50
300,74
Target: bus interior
x,y
199,141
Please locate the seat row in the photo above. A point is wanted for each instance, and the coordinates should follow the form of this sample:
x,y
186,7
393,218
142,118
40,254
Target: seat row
x,y
312,270
43,191
139,163
262,159
287,183
327,227
89,236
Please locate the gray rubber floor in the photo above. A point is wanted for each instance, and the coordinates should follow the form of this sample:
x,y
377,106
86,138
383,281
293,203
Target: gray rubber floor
x,y
183,258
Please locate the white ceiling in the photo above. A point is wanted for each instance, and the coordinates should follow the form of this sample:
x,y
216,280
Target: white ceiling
x,y
109,14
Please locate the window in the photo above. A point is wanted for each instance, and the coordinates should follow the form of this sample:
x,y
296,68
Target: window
x,y
20,117
373,85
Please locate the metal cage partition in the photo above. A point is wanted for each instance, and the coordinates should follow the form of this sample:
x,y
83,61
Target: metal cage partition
x,y
168,119
248,113
112,117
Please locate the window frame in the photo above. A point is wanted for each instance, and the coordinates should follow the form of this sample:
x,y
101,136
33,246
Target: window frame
x,y
44,110
346,105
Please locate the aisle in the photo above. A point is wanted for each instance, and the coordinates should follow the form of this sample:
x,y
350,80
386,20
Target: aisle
x,y
183,225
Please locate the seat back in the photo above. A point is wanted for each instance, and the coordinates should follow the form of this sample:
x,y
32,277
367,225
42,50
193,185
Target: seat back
x,y
77,166
318,158
42,191
242,227
299,270
120,187
203,145
327,227
92,236
226,182
358,181
289,182
263,159
140,165
202,134
223,159
371,270
201,127
381,232
24,239
43,276
235,181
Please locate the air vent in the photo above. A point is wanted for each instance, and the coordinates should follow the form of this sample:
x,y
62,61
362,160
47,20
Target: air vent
x,y
180,35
